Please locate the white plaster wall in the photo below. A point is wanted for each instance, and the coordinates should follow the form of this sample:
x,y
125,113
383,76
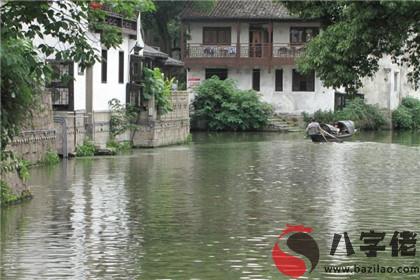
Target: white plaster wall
x,y
381,89
286,101
79,89
104,92
79,82
244,35
194,78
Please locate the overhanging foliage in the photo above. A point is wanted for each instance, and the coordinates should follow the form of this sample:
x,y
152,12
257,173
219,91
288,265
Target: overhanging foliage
x,y
356,34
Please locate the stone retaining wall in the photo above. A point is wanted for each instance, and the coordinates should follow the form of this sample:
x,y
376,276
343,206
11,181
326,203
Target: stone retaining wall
x,y
62,131
31,145
101,129
70,129
38,134
167,129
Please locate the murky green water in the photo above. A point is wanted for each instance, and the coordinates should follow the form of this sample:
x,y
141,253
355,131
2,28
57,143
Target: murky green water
x,y
213,209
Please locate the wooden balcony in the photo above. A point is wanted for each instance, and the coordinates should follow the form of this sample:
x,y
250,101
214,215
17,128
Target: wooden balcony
x,y
128,26
239,55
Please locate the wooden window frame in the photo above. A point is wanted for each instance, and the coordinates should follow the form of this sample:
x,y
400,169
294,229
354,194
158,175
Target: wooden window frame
x,y
306,78
137,64
208,76
121,67
68,85
302,28
256,79
104,66
218,41
278,80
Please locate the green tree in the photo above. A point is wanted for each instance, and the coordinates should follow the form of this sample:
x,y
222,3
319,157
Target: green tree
x,y
23,72
356,34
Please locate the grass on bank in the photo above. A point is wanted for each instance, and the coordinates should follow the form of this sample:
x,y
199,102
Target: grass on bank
x,y
87,149
119,146
50,158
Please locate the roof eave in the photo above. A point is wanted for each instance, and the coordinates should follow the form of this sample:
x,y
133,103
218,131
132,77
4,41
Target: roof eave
x,y
212,18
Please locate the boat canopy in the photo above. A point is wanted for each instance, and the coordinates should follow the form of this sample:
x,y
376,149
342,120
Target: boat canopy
x,y
347,125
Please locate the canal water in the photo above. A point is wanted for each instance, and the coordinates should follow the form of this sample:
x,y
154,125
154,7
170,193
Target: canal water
x,y
213,209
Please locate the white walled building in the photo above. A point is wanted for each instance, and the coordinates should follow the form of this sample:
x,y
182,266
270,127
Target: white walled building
x,y
81,108
83,102
254,43
389,85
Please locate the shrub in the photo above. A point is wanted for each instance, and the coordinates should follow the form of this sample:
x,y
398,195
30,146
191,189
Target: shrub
x,y
85,150
224,107
414,105
416,117
156,85
23,170
407,115
402,118
123,117
365,116
189,138
410,102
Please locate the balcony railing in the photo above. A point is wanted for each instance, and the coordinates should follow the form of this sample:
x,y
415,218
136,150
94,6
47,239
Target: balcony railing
x,y
244,50
112,18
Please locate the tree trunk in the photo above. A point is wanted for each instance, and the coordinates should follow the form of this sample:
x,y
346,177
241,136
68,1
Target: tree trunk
x,y
165,38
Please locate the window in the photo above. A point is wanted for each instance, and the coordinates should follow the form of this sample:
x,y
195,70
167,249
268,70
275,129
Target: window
x,y
104,65
219,72
216,35
396,81
279,80
61,85
341,99
303,82
136,69
80,70
301,35
256,79
121,67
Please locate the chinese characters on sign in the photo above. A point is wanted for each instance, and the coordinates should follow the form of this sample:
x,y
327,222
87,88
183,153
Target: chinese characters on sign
x,y
402,243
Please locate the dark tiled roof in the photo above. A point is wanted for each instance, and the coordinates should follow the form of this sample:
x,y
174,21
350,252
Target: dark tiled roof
x,y
239,9
152,52
155,53
173,62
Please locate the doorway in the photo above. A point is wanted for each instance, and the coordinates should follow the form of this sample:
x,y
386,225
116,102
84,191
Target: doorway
x,y
259,39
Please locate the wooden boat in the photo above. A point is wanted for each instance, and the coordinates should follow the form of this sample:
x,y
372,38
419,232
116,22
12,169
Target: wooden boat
x,y
328,133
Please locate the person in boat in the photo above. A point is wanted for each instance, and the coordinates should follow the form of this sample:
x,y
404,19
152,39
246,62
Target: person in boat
x,y
337,128
313,126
